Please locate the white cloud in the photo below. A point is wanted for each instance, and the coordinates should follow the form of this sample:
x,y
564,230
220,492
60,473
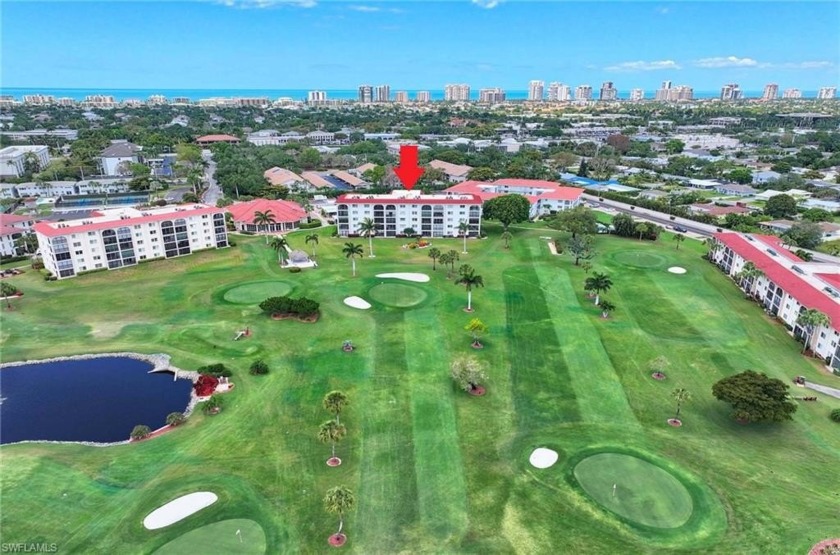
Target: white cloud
x,y
260,4
365,9
644,66
806,65
726,61
663,10
487,4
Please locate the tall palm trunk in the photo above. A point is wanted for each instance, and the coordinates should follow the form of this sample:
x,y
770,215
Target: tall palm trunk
x,y
465,242
469,299
370,244
597,299
333,445
340,523
353,260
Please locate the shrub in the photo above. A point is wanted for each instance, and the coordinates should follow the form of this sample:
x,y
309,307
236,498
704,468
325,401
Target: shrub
x,y
286,305
310,225
835,415
211,404
175,418
231,243
140,431
205,385
215,370
294,270
259,368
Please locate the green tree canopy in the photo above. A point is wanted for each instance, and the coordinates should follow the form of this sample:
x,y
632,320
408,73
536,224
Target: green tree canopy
x,y
577,220
805,235
507,209
755,397
740,175
780,206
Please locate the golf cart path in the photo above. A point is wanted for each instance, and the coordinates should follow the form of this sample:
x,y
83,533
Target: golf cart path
x,y
830,391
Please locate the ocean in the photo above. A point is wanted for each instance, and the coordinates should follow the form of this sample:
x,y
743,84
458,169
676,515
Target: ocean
x,y
296,94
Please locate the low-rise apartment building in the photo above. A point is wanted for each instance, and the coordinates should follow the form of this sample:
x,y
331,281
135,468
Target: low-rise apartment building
x,y
546,197
13,159
125,236
436,215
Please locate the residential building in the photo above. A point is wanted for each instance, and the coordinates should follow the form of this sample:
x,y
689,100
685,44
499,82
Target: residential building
x,y
281,177
314,97
423,96
436,215
730,91
287,215
681,92
491,96
14,159
771,92
830,231
401,97
787,286
208,140
792,93
536,90
316,181
583,92
321,137
456,93
637,95
765,176
717,211
664,92
115,159
454,172
558,92
826,93
256,102
349,179
608,91
63,134
360,171
546,197
100,101
38,99
735,190
12,228
382,93
366,94
181,100
125,236
66,101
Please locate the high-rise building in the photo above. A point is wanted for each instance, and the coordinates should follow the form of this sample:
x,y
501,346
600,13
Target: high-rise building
x,y
792,93
491,96
38,99
382,93
663,94
401,97
608,91
771,92
536,90
730,91
637,94
423,96
365,94
583,92
157,99
314,97
826,93
681,92
456,93
558,92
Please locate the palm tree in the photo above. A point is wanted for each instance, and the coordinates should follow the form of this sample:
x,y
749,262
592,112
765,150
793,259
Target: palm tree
x,y
444,260
506,237
368,229
679,238
469,280
312,238
599,283
811,320
331,432
641,229
334,402
453,258
351,251
748,276
464,229
586,266
8,290
606,308
264,218
681,396
279,244
339,500
434,254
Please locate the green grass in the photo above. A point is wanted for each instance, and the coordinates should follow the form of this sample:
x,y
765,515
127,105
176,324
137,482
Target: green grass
x,y
219,537
433,469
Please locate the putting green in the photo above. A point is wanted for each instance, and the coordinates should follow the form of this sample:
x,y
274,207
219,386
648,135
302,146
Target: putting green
x,y
635,489
256,292
219,537
639,259
398,295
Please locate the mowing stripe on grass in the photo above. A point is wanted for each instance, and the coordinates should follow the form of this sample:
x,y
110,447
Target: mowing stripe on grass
x,y
600,394
437,455
654,312
542,388
388,489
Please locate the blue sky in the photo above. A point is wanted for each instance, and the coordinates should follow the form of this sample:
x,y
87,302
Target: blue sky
x,y
274,44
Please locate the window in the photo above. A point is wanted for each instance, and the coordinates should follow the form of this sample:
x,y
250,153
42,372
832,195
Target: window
x,y
77,244
79,252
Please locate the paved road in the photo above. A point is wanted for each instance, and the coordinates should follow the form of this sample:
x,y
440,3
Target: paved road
x,y
213,192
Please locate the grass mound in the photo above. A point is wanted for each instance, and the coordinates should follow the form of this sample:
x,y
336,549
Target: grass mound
x,y
635,489
256,292
639,259
399,295
219,537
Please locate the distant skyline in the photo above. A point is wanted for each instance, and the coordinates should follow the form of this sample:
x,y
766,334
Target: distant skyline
x,y
309,44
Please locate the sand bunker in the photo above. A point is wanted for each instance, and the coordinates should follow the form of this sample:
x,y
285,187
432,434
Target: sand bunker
x,y
179,509
357,302
407,276
543,458
676,270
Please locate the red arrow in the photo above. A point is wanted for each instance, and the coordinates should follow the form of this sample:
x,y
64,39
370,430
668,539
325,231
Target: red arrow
x,y
408,171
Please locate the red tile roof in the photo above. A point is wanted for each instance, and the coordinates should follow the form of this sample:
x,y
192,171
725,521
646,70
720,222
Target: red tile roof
x,y
217,139
805,293
554,191
9,219
57,229
715,210
834,279
284,211
9,230
774,241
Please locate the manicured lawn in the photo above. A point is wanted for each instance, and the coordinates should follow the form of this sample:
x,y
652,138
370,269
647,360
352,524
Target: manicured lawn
x,y
433,469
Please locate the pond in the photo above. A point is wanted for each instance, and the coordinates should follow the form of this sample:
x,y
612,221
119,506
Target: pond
x,y
97,400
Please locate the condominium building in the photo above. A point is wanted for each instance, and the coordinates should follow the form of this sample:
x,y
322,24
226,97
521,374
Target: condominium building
x,y
637,95
608,91
787,286
669,93
546,197
583,92
423,96
38,99
314,97
366,94
731,91
536,90
491,96
827,93
157,99
66,101
125,236
401,97
436,215
771,92
663,94
558,92
382,93
179,100
456,93
792,93
257,101
100,101
14,159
